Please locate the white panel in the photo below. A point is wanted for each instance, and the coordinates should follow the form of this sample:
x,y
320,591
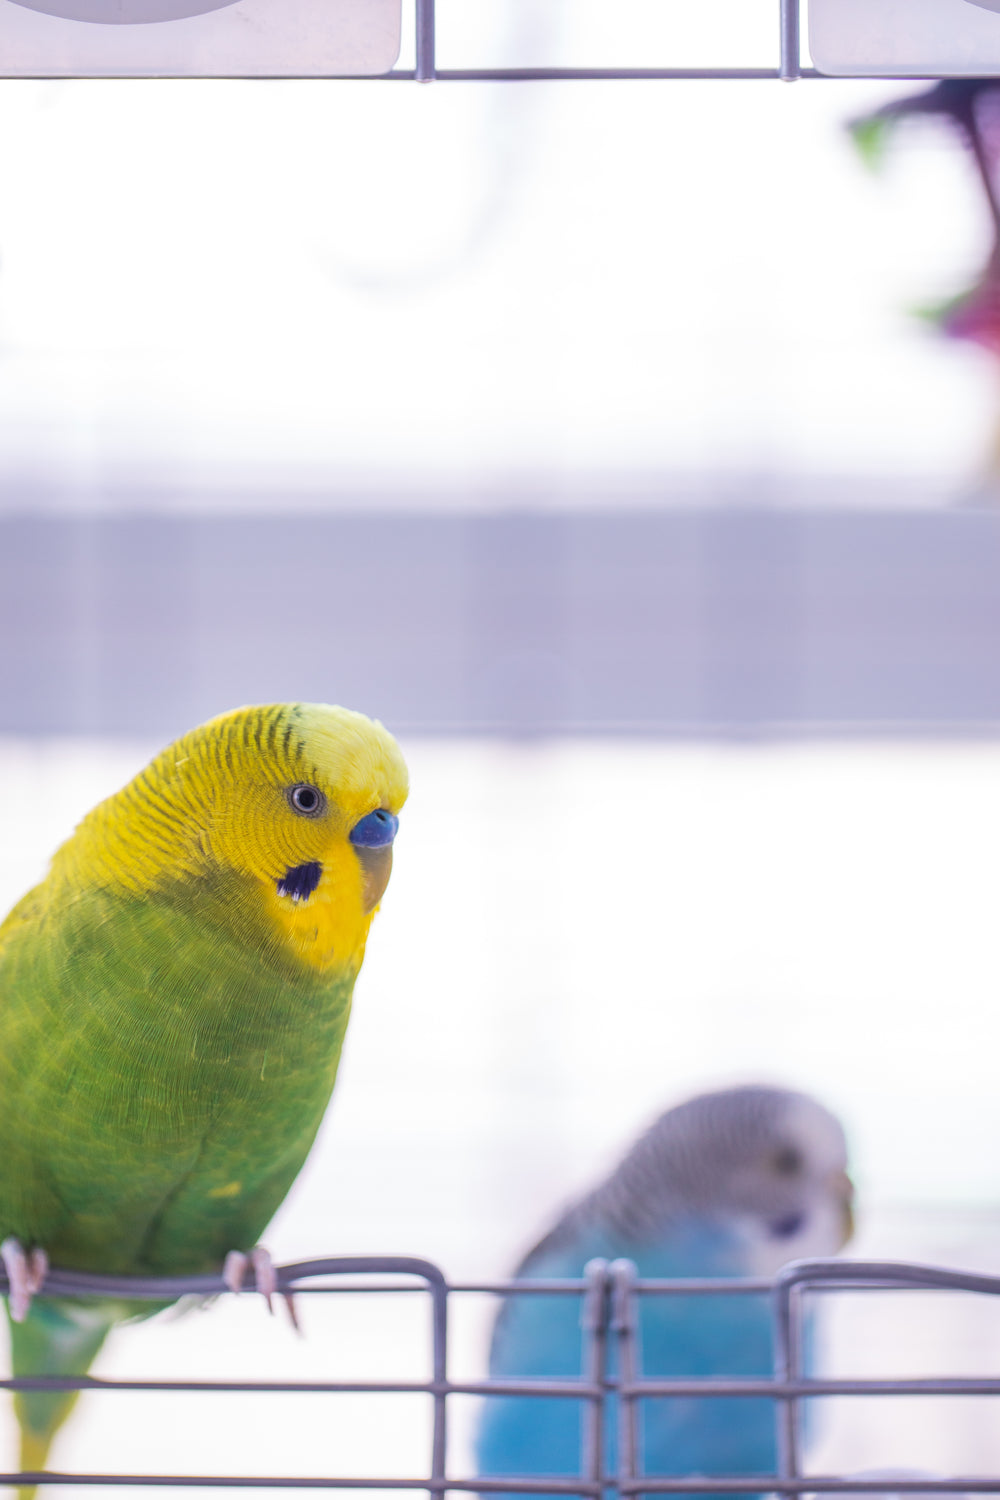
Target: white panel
x,y
197,38
950,38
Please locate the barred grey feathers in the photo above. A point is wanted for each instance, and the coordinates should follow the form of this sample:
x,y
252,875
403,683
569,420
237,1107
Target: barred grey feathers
x,y
739,1153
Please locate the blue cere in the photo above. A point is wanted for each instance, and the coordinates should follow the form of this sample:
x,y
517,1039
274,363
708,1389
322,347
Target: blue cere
x,y
375,830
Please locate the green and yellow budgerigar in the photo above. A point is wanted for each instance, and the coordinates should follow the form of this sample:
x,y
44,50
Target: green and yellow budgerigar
x,y
173,1000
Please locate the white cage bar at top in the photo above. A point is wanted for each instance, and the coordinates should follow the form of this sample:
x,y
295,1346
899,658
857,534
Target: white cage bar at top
x,y
787,65
927,39
320,39
335,39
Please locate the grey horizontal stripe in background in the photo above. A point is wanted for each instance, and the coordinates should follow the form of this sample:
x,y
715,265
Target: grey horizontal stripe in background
x,y
712,623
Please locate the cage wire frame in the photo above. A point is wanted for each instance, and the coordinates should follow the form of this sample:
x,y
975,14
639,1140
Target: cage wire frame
x,y
788,66
609,1293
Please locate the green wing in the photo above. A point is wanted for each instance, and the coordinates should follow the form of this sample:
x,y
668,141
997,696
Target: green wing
x,y
161,1081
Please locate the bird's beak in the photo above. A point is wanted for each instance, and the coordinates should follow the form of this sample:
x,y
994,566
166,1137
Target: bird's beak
x,y
372,839
376,867
843,1188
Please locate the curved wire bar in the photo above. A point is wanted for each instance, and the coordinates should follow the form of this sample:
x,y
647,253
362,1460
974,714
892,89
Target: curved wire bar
x,y
609,1297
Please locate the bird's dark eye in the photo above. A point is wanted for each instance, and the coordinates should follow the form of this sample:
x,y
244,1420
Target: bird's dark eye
x,y
306,800
788,1161
783,1229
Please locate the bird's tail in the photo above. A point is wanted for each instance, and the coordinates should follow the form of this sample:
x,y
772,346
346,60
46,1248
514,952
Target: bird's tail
x,y
56,1338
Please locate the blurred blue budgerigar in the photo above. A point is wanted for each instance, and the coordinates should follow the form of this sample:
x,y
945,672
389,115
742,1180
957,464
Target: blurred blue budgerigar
x,y
732,1183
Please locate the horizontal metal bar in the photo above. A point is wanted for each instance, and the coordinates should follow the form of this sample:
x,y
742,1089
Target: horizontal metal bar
x,y
568,1389
544,1484
889,1486
795,1389
807,1484
171,1288
718,1286
474,75
531,1286
653,1388
547,1484
59,1283
612,75
882,1275
291,1277
745,1286
839,1275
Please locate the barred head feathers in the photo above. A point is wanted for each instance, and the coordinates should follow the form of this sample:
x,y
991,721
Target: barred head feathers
x,y
257,808
767,1164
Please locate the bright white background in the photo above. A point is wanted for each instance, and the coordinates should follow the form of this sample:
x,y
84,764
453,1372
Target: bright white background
x,y
428,290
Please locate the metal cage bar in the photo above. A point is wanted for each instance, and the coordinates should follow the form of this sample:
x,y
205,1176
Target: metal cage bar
x,y
789,41
625,1326
609,1298
787,1332
424,41
787,68
594,1325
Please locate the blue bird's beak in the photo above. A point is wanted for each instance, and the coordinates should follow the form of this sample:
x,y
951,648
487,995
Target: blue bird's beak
x,y
372,838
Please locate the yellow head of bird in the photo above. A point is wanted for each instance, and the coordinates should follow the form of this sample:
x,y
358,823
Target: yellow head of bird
x,y
298,801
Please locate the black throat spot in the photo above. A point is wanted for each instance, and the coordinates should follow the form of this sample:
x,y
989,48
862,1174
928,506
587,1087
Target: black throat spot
x,y
300,881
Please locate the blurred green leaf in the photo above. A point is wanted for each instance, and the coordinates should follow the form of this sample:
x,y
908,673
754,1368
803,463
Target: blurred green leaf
x,y
871,135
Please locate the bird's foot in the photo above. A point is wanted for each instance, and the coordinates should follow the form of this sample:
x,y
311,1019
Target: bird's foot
x,y
236,1265
234,1271
25,1274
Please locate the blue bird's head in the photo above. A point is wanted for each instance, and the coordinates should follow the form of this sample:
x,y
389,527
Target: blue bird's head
x,y
763,1170
768,1165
